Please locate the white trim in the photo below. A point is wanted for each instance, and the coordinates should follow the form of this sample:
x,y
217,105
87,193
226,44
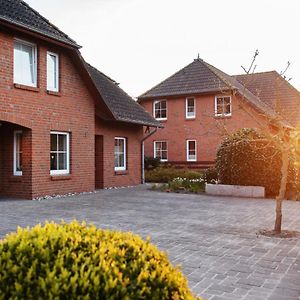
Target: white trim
x,y
188,150
157,101
15,172
154,150
34,55
56,70
124,154
186,108
216,107
65,171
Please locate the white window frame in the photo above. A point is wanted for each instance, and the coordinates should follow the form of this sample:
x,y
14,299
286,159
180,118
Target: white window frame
x,y
123,168
154,150
56,72
34,55
65,171
16,173
157,101
186,108
188,150
216,106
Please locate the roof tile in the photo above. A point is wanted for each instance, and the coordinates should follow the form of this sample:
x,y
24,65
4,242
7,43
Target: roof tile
x,y
21,14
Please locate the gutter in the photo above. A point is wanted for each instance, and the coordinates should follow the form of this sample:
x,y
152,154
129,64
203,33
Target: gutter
x,y
143,153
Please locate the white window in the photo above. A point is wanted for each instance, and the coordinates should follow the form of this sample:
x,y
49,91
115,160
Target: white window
x,y
25,66
223,106
160,110
59,153
18,152
52,72
120,154
161,150
191,150
190,108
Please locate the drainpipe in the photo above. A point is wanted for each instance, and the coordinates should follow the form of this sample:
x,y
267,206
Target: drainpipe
x,y
143,152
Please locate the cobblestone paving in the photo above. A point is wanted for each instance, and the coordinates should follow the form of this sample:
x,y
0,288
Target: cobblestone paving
x,y
213,238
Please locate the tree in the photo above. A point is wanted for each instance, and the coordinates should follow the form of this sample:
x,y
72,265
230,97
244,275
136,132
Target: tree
x,y
276,130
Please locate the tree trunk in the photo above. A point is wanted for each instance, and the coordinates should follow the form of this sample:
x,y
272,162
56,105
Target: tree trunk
x,y
282,190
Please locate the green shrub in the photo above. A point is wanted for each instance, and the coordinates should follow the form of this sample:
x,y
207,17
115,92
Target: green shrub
x,y
151,163
185,184
75,261
247,158
210,175
166,174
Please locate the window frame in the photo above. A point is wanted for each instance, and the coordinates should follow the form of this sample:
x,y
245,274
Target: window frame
x,y
34,55
65,171
216,106
15,172
158,101
56,55
188,150
186,108
123,168
154,150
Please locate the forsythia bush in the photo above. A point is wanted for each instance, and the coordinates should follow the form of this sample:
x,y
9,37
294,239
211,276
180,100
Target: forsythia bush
x,y
76,261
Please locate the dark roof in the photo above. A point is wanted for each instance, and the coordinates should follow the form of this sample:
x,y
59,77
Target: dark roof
x,y
201,77
122,106
197,77
21,14
275,91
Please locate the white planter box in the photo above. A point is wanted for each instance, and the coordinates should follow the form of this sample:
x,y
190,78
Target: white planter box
x,y
235,190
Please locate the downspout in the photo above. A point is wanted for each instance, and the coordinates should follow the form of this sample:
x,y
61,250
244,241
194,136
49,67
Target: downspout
x,y
143,152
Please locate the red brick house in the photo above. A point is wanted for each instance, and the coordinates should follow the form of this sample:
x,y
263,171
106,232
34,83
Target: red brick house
x,y
200,103
64,125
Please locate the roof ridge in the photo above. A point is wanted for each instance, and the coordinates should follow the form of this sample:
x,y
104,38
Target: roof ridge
x,y
46,20
213,69
165,80
263,72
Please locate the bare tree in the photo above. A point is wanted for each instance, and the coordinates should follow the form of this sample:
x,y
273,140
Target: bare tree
x,y
277,131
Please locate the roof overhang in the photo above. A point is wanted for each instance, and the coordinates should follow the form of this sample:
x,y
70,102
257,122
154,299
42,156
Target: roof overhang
x,y
36,33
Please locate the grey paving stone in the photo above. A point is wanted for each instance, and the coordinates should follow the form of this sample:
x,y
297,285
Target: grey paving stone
x,y
213,238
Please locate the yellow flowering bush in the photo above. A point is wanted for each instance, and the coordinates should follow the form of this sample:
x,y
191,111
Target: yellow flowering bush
x,y
79,261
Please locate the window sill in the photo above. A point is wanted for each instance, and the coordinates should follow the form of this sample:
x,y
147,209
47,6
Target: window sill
x,y
53,93
190,119
26,87
223,117
60,177
125,172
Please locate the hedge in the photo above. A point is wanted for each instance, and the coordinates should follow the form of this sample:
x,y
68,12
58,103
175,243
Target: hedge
x,y
247,158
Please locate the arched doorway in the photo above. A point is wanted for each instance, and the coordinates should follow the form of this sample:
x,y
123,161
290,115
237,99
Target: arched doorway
x,y
15,161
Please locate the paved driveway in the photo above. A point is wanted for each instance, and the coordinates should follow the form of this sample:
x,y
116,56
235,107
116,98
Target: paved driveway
x,y
213,238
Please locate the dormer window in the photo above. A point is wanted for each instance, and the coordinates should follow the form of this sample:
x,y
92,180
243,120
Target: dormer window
x,y
223,106
52,72
25,66
160,110
190,108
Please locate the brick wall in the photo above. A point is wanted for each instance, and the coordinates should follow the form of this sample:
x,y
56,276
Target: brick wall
x,y
71,110
207,129
133,135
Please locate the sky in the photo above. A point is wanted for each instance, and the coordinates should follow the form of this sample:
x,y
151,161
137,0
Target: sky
x,y
139,43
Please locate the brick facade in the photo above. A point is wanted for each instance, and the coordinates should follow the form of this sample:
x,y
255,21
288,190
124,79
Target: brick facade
x,y
205,128
72,110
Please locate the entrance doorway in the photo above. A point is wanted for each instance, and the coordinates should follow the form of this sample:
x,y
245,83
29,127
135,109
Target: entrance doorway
x,y
99,163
